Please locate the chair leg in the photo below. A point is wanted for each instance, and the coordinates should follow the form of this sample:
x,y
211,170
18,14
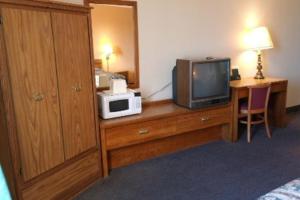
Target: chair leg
x,y
267,126
249,128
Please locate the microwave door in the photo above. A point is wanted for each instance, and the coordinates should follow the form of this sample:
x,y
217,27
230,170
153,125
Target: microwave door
x,y
118,105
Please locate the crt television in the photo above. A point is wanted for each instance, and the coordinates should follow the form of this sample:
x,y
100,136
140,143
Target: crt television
x,y
198,84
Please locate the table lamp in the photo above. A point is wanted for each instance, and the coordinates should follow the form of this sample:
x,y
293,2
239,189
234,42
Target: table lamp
x,y
108,51
259,39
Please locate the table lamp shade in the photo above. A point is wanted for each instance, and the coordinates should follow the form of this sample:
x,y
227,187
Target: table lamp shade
x,y
107,49
259,39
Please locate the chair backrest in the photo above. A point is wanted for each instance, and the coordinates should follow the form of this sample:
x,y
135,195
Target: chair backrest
x,y
259,97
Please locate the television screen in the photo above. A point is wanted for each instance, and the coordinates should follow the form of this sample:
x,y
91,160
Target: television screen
x,y
210,79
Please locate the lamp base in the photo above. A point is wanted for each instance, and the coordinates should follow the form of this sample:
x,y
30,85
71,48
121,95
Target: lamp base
x,y
259,74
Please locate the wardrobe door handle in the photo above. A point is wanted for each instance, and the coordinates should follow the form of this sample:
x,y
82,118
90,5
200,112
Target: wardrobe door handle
x,y
38,97
77,88
143,131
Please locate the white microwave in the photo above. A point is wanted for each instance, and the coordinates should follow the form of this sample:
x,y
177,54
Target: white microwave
x,y
119,105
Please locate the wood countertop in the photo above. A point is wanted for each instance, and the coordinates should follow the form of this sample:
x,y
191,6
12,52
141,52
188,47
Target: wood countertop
x,y
153,112
167,108
245,82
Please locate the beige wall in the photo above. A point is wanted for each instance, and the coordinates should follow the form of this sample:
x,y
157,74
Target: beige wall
x,y
284,59
114,25
170,29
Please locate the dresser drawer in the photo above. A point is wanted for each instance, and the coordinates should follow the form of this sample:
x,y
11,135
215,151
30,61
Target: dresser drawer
x,y
205,119
141,132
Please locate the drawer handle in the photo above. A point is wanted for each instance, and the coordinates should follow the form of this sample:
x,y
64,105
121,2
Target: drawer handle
x,y
38,97
143,131
204,119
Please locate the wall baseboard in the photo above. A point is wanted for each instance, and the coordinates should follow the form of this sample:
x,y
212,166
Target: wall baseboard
x,y
293,109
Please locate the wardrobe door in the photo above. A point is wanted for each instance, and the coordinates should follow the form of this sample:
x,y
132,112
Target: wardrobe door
x,y
32,71
71,36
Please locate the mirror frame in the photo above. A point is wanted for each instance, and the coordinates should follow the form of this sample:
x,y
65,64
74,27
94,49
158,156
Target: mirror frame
x,y
132,4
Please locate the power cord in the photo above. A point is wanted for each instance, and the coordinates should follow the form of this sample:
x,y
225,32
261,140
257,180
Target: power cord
x,y
156,92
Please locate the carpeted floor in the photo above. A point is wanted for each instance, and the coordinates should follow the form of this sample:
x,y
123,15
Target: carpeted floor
x,y
216,171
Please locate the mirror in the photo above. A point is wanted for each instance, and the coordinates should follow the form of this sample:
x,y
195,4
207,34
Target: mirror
x,y
115,41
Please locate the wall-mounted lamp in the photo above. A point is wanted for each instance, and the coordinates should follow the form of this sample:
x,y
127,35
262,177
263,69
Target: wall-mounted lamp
x,y
107,51
259,39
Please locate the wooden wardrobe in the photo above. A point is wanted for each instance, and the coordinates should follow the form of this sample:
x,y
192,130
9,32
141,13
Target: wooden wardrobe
x,y
48,107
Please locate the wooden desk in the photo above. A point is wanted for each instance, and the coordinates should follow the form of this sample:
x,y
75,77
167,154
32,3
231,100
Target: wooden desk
x,y
277,102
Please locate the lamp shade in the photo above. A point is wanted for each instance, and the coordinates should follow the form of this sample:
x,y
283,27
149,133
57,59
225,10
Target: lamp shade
x,y
259,39
107,49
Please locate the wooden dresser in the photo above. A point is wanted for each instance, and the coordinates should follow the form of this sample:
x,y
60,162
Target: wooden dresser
x,y
161,128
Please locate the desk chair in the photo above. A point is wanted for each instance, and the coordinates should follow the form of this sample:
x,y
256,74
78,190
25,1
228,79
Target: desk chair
x,y
257,105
